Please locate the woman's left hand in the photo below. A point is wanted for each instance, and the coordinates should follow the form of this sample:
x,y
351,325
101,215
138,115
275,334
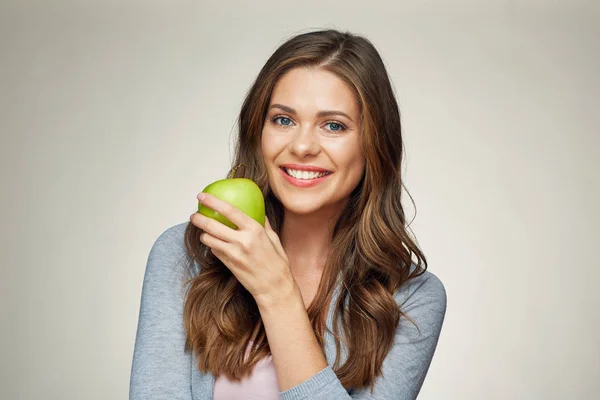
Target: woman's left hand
x,y
252,253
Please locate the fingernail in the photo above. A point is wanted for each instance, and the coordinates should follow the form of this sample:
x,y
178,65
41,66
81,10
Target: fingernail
x,y
201,196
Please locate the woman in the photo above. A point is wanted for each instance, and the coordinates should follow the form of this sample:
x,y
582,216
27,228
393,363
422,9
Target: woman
x,y
324,301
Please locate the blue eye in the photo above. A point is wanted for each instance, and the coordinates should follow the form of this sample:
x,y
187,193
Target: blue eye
x,y
285,121
335,127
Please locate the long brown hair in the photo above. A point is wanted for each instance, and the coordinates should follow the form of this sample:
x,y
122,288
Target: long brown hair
x,y
371,250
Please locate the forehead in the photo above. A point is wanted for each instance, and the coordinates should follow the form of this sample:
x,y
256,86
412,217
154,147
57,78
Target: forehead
x,y
313,89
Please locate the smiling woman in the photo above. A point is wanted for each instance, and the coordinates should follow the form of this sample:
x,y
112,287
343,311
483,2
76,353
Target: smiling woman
x,y
332,298
319,110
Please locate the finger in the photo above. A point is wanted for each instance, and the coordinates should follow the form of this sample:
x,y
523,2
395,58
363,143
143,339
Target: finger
x,y
225,252
230,212
215,244
222,250
213,227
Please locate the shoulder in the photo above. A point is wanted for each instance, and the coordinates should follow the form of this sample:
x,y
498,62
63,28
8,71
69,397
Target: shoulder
x,y
425,287
169,249
423,299
172,238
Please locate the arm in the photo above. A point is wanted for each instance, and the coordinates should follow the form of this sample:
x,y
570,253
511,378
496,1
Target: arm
x,y
404,368
256,257
161,369
294,347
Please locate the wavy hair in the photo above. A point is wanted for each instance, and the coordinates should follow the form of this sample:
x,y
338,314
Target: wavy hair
x,y
371,251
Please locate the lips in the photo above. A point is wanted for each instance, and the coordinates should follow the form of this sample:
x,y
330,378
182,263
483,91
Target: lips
x,y
303,183
323,173
304,167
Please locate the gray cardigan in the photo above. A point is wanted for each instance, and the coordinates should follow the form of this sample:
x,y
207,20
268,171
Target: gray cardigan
x,y
161,369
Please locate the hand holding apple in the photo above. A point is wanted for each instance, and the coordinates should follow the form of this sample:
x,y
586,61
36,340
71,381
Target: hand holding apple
x,y
253,253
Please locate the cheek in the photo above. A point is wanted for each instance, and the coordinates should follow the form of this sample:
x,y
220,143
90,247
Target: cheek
x,y
271,145
355,165
347,155
266,145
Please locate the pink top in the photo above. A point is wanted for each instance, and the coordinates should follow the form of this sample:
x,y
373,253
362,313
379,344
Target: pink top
x,y
260,385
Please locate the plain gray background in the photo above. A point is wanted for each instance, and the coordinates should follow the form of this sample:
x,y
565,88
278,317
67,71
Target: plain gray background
x,y
115,114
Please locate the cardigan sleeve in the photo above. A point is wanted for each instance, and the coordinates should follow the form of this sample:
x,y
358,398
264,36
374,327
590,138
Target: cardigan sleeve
x,y
161,369
404,369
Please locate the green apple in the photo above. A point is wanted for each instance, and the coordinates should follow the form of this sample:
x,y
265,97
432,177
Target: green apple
x,y
242,193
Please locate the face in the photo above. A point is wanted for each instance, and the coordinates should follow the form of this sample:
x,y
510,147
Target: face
x,y
313,121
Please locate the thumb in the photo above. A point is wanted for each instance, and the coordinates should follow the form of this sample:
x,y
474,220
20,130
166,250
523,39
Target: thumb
x,y
274,238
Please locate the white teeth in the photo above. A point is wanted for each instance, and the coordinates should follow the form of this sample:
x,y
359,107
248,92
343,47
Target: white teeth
x,y
305,174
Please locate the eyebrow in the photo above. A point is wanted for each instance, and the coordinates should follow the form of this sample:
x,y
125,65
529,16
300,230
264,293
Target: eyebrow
x,y
323,113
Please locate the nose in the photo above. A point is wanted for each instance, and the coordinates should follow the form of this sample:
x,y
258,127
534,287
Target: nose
x,y
304,143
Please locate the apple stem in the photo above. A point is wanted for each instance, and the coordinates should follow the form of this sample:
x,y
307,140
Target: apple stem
x,y
234,171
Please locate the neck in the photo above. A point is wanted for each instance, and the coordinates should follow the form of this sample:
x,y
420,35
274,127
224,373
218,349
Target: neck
x,y
306,240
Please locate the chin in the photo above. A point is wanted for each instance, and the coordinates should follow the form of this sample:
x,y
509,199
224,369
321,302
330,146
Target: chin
x,y
306,206
301,211
300,207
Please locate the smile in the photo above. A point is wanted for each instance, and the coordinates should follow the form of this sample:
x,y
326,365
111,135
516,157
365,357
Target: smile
x,y
304,178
